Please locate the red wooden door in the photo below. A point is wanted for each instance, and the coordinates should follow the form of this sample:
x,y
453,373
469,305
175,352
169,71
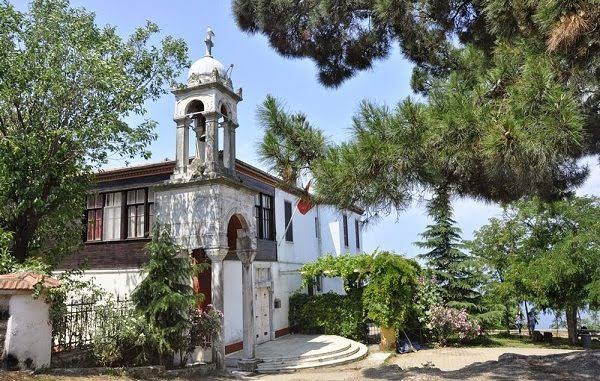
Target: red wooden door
x,y
201,283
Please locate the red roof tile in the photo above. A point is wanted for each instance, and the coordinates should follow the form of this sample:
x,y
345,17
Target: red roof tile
x,y
26,281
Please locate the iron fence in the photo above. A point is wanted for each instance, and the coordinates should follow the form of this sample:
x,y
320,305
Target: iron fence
x,y
373,333
78,320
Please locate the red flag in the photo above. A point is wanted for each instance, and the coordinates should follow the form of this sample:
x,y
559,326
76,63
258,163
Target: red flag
x,y
305,204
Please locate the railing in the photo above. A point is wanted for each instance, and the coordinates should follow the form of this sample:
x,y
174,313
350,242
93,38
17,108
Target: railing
x,y
372,334
79,320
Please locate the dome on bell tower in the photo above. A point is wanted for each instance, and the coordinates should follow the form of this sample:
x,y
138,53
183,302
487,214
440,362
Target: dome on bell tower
x,y
205,66
204,69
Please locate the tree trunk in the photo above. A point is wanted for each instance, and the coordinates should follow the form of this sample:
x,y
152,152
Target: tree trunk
x,y
507,318
527,314
571,312
20,245
23,228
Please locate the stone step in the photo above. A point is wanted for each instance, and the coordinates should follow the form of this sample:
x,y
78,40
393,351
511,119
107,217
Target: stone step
x,y
326,356
357,352
344,347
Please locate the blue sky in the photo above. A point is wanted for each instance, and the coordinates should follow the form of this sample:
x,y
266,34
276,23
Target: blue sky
x,y
261,71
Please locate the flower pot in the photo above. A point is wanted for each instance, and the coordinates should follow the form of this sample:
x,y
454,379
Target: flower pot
x,y
388,339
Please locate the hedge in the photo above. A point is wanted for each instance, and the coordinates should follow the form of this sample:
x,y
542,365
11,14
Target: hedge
x,y
329,314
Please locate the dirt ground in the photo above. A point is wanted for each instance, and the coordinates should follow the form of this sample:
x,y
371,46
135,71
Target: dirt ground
x,y
469,364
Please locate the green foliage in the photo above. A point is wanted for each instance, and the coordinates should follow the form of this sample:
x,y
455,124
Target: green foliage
x,y
329,313
123,338
546,253
165,296
495,246
67,87
390,290
454,269
387,281
512,94
290,144
428,296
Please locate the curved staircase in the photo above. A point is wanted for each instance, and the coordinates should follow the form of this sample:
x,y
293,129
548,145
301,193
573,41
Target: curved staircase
x,y
293,352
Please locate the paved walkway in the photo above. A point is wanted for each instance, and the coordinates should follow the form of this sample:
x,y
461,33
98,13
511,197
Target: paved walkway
x,y
456,358
447,359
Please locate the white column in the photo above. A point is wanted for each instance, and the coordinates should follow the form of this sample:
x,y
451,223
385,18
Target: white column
x,y
181,147
216,256
232,149
227,144
246,255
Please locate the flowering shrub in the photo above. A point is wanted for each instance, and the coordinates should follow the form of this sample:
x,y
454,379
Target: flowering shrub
x,y
445,322
205,324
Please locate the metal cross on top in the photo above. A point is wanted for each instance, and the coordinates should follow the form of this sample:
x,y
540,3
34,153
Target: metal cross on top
x,y
208,41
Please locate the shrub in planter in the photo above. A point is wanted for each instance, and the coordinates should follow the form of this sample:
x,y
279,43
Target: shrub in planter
x,y
329,313
389,294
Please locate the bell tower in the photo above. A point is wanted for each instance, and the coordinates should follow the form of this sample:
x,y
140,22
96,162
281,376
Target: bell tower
x,y
206,104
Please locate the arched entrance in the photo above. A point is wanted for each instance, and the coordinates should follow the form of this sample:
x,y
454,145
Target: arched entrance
x,y
202,281
235,223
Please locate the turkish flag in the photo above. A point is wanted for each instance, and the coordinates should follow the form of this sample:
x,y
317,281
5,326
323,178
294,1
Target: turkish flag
x,y
305,204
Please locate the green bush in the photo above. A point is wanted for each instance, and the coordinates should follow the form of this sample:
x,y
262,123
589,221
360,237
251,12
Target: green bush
x,y
123,338
330,314
389,295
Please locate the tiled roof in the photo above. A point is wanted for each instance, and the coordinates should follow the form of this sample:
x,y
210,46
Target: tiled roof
x,y
26,281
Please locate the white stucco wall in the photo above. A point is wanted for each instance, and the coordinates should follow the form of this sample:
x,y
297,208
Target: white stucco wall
x,y
28,332
119,282
232,307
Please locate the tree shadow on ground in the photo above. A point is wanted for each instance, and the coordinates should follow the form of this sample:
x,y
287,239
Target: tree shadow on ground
x,y
583,365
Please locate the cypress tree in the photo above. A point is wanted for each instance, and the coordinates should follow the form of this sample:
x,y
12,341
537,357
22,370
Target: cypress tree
x,y
454,269
165,296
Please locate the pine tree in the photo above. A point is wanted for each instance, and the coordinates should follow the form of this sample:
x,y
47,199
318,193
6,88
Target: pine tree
x,y
512,93
165,296
454,269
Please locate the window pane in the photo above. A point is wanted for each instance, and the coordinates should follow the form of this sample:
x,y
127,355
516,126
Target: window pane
x,y
345,221
112,221
140,221
90,225
357,232
130,197
91,201
141,196
150,195
289,234
131,222
151,216
99,201
98,225
117,199
266,201
257,199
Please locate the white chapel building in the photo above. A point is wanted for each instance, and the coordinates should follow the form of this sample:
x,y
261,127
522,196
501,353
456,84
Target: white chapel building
x,y
220,210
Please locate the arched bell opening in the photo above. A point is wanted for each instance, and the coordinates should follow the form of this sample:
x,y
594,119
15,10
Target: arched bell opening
x,y
198,123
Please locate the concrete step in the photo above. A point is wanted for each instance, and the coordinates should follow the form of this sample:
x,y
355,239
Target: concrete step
x,y
325,356
342,349
357,351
